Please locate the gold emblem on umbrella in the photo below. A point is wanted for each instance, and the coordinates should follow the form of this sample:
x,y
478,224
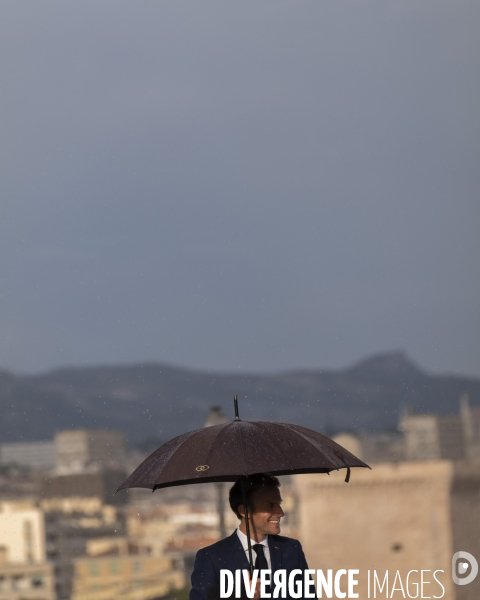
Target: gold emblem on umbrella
x,y
202,468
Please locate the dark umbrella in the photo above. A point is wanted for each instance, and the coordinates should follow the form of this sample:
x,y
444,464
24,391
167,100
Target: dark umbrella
x,y
236,450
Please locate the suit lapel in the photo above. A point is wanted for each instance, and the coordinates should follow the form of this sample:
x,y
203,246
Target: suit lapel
x,y
275,553
238,553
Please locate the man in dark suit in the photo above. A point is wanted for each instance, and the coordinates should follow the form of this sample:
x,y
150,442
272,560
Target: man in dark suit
x,y
269,550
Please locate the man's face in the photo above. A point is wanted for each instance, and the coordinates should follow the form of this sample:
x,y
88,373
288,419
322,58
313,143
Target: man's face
x,y
266,518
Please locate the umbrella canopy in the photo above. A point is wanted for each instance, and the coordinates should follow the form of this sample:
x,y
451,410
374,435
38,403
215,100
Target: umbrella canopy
x,y
229,451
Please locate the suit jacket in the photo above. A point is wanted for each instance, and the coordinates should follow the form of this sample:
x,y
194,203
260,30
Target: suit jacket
x,y
285,553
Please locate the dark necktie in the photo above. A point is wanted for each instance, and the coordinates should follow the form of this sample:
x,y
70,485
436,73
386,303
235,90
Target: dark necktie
x,y
261,562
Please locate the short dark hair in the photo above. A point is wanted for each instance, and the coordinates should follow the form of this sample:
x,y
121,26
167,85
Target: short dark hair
x,y
252,484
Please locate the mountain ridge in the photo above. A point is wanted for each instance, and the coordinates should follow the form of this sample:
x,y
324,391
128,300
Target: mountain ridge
x,y
158,401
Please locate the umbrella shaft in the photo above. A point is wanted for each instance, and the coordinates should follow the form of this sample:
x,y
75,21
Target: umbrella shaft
x,y
247,525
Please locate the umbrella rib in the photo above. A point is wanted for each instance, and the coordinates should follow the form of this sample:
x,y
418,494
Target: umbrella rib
x,y
180,445
212,451
324,449
174,451
265,434
152,468
198,431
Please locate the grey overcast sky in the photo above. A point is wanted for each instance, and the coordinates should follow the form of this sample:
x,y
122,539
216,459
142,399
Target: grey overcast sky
x,y
240,185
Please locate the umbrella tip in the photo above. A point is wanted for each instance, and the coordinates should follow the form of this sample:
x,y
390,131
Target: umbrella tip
x,y
235,402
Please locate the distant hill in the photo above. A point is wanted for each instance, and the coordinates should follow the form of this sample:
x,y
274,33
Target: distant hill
x,y
154,401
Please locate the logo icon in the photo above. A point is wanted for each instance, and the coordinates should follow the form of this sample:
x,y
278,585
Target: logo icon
x,y
202,468
461,562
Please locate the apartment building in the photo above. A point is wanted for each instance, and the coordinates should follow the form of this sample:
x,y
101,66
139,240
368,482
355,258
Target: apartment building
x,y
25,573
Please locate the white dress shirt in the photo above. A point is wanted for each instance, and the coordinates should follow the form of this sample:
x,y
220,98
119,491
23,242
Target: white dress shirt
x,y
244,541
